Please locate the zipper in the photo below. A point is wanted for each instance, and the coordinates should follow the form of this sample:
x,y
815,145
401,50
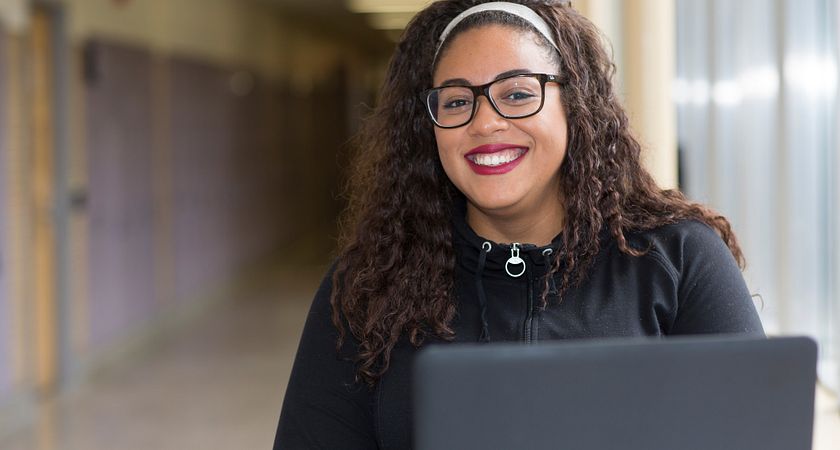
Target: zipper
x,y
515,267
529,317
513,263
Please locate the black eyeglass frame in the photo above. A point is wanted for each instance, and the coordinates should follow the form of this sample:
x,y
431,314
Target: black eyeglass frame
x,y
484,90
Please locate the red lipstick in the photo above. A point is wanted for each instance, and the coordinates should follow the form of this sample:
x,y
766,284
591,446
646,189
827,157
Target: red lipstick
x,y
507,156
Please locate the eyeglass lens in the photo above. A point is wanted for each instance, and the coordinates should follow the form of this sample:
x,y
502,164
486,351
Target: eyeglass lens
x,y
513,97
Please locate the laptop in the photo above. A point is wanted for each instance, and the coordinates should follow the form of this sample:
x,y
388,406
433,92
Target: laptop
x,y
681,393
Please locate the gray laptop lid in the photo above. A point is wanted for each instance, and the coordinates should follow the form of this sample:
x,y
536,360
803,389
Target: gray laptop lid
x,y
685,393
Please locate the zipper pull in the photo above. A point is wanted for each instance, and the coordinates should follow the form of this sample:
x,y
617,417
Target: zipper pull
x,y
514,260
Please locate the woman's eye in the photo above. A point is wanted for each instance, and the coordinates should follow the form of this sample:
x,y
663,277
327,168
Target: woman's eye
x,y
517,96
456,103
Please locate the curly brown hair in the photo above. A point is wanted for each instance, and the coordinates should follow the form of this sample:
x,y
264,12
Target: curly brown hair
x,y
393,277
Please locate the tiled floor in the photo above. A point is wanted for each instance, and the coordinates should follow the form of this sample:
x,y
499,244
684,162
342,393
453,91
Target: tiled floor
x,y
217,384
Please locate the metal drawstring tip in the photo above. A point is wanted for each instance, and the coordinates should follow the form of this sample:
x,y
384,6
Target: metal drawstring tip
x,y
485,335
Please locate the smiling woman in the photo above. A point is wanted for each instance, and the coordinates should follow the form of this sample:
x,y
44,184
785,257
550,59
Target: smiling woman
x,y
507,169
498,196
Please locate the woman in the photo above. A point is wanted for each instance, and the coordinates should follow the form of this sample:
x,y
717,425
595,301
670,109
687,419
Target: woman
x,y
499,197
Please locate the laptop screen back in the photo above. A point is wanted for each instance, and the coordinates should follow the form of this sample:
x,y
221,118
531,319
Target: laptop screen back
x,y
685,393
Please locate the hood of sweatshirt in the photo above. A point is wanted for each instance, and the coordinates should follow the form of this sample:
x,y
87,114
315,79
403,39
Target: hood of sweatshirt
x,y
513,262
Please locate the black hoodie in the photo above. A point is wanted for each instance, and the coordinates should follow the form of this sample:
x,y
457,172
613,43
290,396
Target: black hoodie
x,y
686,283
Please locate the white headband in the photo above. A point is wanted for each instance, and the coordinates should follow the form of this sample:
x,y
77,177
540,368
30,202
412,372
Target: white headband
x,y
515,9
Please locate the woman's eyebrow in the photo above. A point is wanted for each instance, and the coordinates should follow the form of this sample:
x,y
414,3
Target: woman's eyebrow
x,y
465,82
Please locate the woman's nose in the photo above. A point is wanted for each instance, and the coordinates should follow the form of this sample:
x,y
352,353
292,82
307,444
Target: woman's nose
x,y
486,120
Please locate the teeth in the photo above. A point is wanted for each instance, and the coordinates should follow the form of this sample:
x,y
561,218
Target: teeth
x,y
498,158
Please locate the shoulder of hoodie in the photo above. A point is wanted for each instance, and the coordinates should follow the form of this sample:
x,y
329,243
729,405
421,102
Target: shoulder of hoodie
x,y
680,246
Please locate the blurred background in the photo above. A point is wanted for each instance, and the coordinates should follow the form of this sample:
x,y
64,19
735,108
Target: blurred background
x,y
171,172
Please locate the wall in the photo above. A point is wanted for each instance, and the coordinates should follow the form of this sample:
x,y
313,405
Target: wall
x,y
14,15
222,32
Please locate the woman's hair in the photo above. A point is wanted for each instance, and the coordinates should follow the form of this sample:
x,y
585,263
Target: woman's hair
x,y
393,278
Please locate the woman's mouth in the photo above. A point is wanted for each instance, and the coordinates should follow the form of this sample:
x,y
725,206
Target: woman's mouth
x,y
495,159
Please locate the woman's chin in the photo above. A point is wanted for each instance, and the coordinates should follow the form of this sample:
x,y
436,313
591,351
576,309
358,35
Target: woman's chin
x,y
495,205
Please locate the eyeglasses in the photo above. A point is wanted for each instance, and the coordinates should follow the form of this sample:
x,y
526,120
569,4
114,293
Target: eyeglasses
x,y
513,97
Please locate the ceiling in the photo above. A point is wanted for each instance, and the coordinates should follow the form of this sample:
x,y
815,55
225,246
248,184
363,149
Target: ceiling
x,y
385,15
332,18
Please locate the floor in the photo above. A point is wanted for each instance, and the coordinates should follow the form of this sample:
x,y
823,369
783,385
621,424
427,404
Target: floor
x,y
218,383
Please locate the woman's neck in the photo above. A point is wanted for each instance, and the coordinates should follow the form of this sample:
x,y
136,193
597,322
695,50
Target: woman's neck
x,y
539,227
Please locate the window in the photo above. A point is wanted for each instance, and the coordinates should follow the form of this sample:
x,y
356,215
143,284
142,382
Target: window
x,y
756,95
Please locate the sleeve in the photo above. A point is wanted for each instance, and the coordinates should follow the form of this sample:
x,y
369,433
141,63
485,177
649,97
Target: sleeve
x,y
713,296
324,408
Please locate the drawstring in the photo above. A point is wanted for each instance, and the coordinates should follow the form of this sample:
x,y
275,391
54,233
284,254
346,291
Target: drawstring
x,y
552,287
479,285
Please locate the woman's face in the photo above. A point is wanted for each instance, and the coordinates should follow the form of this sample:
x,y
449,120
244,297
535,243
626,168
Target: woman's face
x,y
474,156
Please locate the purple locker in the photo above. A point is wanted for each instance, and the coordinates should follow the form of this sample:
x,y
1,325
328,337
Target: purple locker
x,y
121,234
5,337
202,145
257,200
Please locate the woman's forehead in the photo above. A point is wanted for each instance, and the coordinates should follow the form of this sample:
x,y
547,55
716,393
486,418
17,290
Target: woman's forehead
x,y
480,54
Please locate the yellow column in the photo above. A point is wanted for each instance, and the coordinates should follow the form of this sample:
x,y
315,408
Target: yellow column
x,y
606,15
649,55
43,238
